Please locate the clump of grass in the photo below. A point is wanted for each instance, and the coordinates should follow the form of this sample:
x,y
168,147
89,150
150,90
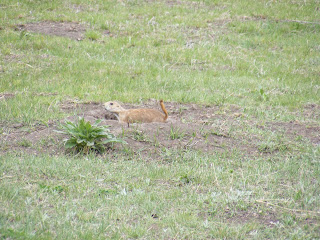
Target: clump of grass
x,y
85,137
185,179
139,136
273,144
176,133
92,35
263,95
25,143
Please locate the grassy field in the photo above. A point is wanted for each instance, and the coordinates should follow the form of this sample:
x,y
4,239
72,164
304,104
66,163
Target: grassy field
x,y
255,67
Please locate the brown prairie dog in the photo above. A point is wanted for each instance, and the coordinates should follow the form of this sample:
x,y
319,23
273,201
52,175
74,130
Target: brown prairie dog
x,y
141,115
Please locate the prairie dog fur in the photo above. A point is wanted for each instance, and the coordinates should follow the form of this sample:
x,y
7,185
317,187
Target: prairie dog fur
x,y
141,115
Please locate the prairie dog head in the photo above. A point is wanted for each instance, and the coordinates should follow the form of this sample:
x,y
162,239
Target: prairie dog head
x,y
113,107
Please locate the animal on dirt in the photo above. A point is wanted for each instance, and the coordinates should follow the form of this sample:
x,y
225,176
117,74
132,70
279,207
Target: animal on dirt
x,y
138,115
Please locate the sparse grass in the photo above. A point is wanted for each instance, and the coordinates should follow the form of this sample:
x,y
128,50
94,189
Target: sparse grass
x,y
139,135
243,196
273,143
24,143
262,56
176,133
93,35
232,59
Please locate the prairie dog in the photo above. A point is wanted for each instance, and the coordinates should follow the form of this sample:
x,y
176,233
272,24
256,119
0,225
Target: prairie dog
x,y
141,115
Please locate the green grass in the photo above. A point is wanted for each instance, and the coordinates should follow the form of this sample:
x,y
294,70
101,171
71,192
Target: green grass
x,y
47,197
260,56
233,54
176,133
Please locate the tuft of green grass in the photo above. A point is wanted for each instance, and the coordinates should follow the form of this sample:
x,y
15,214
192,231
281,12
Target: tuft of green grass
x,y
176,133
92,35
139,135
24,143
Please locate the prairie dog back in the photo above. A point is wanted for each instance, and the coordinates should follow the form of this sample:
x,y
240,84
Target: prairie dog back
x,y
141,115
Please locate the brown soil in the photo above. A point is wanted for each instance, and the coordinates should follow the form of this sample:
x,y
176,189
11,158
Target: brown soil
x,y
4,96
189,4
268,218
71,30
189,127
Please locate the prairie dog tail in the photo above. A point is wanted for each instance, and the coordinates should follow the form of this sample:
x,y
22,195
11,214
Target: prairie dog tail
x,y
164,110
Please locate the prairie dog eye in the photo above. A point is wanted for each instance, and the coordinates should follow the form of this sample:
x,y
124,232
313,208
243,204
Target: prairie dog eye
x,y
111,103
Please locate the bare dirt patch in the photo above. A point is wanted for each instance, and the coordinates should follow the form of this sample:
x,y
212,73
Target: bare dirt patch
x,y
311,111
268,219
189,127
71,30
294,130
188,4
4,96
201,35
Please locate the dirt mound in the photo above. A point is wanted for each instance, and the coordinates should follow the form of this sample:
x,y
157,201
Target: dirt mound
x,y
189,127
71,30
